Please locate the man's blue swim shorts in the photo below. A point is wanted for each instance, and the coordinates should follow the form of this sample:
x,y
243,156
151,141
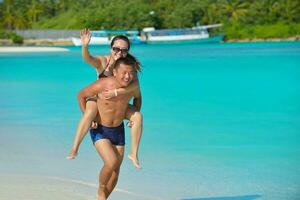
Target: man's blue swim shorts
x,y
116,135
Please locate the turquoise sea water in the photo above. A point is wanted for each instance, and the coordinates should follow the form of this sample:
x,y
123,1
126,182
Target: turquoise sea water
x,y
221,121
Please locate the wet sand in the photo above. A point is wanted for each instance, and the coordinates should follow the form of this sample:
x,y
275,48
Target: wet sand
x,y
33,187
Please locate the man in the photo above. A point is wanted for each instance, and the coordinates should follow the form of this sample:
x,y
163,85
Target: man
x,y
109,137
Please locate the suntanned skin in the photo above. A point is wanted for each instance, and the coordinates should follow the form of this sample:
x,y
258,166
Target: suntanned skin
x,y
133,115
112,113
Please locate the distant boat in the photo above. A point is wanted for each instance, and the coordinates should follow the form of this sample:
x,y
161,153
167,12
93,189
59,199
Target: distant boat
x,y
186,35
104,37
94,41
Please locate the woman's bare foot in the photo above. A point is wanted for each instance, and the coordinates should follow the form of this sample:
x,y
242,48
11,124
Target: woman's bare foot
x,y
135,161
72,155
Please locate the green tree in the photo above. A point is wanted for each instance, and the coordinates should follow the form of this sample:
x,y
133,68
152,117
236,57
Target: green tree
x,y
290,11
64,5
20,22
8,15
212,14
34,10
234,9
48,8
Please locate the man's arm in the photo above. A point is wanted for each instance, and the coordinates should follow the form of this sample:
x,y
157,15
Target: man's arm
x,y
89,91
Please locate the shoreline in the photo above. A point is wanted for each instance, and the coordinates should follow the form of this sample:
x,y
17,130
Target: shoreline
x,y
68,42
24,49
35,187
37,42
288,39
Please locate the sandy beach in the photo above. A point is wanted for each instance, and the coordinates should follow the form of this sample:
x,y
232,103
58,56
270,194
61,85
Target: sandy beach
x,y
288,39
34,187
31,49
30,43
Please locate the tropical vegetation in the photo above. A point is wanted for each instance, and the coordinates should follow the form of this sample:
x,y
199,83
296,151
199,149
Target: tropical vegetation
x,y
241,18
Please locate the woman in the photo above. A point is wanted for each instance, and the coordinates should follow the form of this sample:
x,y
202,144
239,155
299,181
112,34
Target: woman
x,y
120,46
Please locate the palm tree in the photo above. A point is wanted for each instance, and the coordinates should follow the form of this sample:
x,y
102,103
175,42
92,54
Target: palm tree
x,y
212,14
48,7
34,10
234,9
8,15
64,5
20,22
290,11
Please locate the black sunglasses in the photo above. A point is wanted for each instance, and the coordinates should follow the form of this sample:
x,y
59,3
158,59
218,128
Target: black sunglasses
x,y
117,50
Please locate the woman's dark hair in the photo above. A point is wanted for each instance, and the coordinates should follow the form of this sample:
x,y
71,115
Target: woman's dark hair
x,y
128,60
120,37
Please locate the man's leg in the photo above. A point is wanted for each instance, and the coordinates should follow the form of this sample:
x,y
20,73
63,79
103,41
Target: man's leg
x,y
83,127
110,164
119,150
136,133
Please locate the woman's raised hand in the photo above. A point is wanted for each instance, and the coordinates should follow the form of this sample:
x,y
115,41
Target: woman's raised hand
x,y
85,36
107,94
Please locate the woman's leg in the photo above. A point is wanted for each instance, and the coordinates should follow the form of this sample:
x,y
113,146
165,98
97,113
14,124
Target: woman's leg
x,y
83,127
136,124
109,173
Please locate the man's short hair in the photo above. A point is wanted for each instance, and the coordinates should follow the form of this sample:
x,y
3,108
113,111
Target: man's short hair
x,y
128,60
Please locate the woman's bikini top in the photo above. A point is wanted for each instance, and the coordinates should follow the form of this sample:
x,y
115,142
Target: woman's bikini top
x,y
106,71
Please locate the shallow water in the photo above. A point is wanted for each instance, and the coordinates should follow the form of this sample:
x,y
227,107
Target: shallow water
x,y
221,121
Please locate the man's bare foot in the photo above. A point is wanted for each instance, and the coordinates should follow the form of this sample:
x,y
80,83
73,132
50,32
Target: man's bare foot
x,y
135,161
72,155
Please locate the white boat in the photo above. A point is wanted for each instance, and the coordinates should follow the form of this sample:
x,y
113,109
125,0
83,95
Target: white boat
x,y
191,35
97,38
104,37
94,41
